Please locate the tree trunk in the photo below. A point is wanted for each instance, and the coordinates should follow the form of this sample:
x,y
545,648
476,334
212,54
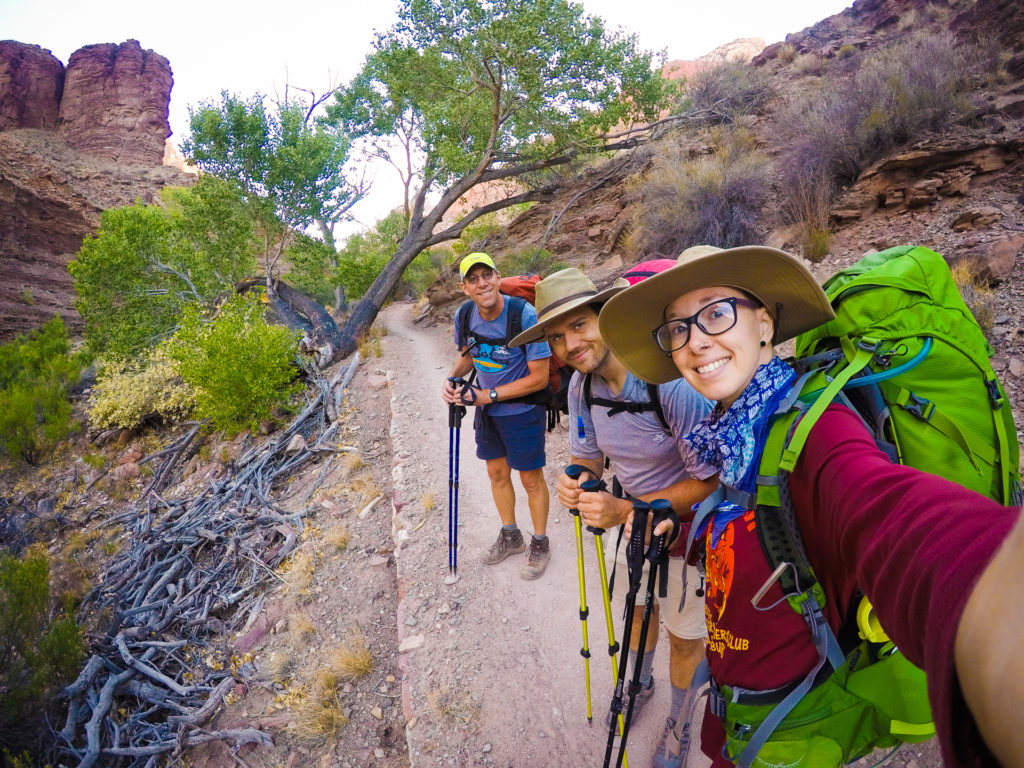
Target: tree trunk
x,y
367,308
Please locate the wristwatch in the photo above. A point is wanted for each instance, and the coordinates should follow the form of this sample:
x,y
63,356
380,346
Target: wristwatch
x,y
494,395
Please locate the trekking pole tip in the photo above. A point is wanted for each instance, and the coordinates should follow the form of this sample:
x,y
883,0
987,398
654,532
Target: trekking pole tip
x,y
451,578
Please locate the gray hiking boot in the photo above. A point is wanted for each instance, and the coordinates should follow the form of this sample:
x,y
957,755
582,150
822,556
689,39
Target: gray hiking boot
x,y
642,698
536,559
508,543
673,745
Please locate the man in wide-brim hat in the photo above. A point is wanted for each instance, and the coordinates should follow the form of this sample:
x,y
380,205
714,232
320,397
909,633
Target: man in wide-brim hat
x,y
623,424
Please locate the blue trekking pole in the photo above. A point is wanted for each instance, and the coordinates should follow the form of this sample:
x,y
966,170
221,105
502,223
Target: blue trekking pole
x,y
455,414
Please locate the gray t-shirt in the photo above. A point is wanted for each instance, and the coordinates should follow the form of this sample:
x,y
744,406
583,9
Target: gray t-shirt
x,y
646,458
499,363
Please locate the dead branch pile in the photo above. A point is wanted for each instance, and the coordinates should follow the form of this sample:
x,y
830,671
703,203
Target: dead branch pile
x,y
194,571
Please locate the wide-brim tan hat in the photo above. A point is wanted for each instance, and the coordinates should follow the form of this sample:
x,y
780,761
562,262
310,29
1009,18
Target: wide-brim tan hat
x,y
778,280
560,293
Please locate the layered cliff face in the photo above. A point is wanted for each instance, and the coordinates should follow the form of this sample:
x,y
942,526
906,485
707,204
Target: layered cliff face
x,y
115,103
74,142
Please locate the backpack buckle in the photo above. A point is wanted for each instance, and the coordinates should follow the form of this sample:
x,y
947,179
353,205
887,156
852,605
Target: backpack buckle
x,y
920,407
994,396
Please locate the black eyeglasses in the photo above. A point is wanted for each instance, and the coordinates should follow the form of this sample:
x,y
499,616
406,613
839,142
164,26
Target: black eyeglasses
x,y
714,318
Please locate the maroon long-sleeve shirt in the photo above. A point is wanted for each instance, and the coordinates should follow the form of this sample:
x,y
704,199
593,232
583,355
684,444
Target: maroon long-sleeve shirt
x,y
913,542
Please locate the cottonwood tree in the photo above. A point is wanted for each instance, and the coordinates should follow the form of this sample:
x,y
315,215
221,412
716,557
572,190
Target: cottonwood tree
x,y
292,166
478,91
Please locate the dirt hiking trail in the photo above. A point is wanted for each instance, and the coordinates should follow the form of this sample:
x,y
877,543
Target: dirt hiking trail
x,y
491,666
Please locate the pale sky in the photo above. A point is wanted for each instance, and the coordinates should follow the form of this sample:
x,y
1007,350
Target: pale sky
x,y
259,46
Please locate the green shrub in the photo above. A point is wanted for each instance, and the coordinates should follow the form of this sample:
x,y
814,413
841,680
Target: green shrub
x,y
130,392
36,372
147,262
36,653
715,199
240,367
420,274
536,261
722,93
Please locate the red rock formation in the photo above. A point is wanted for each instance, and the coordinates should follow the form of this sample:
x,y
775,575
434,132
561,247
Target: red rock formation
x,y
115,103
31,81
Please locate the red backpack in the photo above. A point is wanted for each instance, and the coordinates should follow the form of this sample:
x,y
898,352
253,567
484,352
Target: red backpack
x,y
525,286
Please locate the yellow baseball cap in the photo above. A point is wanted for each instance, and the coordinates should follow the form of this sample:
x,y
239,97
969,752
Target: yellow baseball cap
x,y
472,260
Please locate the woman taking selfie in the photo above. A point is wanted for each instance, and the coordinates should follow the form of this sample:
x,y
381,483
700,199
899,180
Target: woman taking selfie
x,y
942,566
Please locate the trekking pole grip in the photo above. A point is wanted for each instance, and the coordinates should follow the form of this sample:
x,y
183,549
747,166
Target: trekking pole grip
x,y
661,510
594,486
456,412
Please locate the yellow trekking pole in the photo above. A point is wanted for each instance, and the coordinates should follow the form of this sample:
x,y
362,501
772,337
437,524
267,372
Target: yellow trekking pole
x,y
574,471
613,646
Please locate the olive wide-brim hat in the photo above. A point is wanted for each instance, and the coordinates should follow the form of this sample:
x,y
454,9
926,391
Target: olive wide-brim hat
x,y
783,285
560,293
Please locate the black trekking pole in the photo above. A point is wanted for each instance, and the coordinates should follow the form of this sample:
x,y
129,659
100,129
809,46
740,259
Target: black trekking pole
x,y
656,555
574,471
635,561
455,414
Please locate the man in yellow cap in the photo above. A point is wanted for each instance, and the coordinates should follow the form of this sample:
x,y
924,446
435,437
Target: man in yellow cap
x,y
510,392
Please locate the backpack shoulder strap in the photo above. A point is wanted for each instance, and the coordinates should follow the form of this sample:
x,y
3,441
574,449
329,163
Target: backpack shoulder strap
x,y
462,315
588,398
514,322
655,398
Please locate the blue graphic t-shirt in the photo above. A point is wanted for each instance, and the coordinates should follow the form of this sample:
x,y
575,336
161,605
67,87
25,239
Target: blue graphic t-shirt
x,y
498,364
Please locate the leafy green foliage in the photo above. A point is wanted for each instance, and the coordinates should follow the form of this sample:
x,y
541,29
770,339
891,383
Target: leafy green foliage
x,y
290,166
240,366
35,652
714,199
147,262
520,80
36,372
313,268
365,254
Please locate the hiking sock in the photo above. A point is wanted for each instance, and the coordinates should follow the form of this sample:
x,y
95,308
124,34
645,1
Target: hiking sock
x,y
539,539
678,699
645,666
510,528
645,669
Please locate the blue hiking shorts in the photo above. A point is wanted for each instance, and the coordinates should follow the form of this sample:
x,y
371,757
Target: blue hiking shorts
x,y
519,437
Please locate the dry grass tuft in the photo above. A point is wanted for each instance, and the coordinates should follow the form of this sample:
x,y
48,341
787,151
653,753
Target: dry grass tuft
x,y
298,575
428,500
353,462
786,54
337,537
300,625
279,666
353,659
976,292
317,722
452,705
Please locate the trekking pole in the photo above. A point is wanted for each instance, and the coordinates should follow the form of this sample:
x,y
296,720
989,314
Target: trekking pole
x,y
634,559
613,646
574,471
455,414
656,554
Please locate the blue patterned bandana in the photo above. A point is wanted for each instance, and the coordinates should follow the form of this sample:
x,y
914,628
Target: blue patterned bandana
x,y
733,440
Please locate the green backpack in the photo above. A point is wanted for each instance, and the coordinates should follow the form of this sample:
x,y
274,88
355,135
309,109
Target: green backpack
x,y
906,354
